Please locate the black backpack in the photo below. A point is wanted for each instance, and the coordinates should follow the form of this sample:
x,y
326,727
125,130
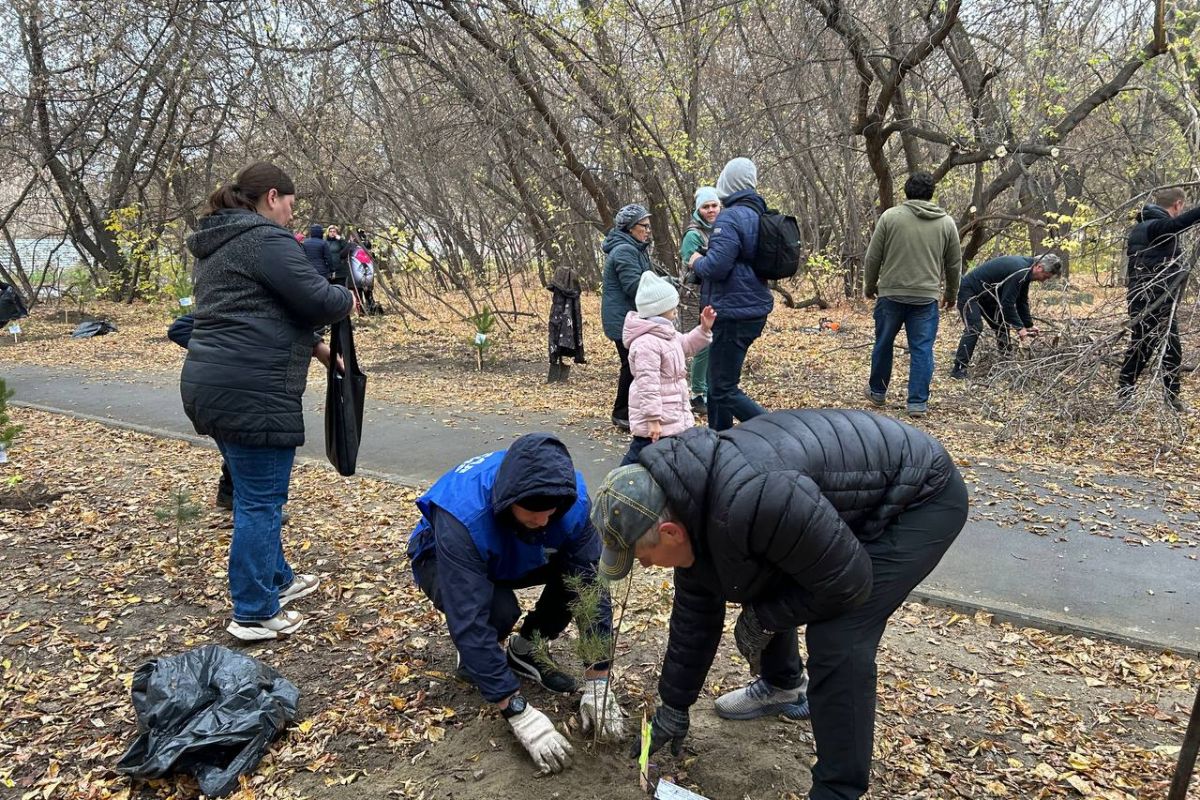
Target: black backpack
x,y
778,253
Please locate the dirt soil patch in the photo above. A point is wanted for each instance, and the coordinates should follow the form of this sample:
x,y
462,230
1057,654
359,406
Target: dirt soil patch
x,y
93,589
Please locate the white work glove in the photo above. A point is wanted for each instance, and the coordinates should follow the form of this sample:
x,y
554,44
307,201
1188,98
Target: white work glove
x,y
601,712
550,749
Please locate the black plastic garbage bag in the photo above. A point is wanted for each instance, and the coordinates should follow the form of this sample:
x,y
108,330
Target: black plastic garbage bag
x,y
209,712
95,327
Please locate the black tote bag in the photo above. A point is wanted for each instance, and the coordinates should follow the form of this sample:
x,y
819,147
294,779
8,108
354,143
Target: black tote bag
x,y
344,398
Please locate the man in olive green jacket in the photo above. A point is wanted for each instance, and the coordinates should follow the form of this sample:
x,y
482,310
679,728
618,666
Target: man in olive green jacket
x,y
913,259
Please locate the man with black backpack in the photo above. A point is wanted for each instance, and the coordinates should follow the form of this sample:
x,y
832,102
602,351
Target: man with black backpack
x,y
731,282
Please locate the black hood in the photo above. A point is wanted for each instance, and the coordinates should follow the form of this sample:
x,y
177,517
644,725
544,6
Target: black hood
x,y
219,228
536,465
1151,212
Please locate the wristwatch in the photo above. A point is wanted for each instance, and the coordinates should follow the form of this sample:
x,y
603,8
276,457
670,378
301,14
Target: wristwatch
x,y
516,704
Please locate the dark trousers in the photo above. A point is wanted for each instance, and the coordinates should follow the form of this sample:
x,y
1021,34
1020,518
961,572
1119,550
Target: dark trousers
x,y
920,323
841,650
549,617
1149,333
225,484
636,447
726,355
624,381
974,311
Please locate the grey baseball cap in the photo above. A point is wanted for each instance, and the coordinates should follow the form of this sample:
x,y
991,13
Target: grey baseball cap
x,y
628,504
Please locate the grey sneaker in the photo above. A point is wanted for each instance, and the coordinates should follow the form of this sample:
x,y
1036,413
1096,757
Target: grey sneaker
x,y
917,409
879,400
282,624
301,586
761,699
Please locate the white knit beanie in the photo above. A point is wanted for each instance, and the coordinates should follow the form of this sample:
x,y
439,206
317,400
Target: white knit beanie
x,y
655,296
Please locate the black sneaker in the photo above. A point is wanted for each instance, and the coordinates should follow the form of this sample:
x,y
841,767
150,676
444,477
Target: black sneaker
x,y
623,424
959,373
699,406
541,670
225,501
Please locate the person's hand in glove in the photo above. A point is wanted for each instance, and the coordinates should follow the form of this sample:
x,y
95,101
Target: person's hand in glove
x,y
598,709
751,639
668,725
549,749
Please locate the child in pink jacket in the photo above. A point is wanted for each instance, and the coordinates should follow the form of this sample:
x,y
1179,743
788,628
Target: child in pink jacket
x,y
659,403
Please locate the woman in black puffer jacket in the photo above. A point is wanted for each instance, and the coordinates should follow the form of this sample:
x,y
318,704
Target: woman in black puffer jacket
x,y
258,303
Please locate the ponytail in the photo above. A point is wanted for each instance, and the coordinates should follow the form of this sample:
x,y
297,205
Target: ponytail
x,y
250,186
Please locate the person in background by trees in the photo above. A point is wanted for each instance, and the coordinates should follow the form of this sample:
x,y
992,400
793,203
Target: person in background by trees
x,y
1155,279
258,301
339,254
695,240
625,260
658,398
730,285
317,251
821,518
502,521
998,291
913,258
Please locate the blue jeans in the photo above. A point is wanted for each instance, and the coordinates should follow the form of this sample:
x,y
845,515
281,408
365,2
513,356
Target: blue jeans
x,y
257,568
731,340
920,325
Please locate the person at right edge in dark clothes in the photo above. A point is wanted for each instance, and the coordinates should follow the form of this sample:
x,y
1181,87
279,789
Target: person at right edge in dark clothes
x,y
625,260
818,518
730,285
1155,280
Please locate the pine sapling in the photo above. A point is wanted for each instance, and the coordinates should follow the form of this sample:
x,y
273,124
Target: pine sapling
x,y
180,512
8,428
591,646
484,322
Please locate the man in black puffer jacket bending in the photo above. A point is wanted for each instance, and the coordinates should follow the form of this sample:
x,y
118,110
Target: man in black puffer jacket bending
x,y
826,519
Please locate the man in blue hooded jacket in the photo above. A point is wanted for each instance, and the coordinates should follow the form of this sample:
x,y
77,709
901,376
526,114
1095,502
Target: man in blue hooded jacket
x,y
509,520
731,286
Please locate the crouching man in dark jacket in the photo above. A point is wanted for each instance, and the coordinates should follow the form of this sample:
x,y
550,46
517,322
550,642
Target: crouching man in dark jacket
x,y
510,520
826,519
998,291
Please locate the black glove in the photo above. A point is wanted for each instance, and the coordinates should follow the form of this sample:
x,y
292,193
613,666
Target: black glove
x,y
751,639
667,725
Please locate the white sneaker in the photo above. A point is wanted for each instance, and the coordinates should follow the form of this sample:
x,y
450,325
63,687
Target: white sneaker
x,y
301,586
761,699
281,624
